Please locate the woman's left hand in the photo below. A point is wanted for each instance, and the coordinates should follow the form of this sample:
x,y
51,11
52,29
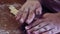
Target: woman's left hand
x,y
48,23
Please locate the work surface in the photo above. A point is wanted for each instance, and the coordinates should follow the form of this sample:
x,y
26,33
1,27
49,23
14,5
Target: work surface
x,y
8,24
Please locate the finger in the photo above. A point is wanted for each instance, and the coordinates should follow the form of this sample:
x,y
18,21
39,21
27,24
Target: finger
x,y
37,22
28,32
39,11
45,28
31,16
19,14
46,33
24,15
39,26
21,10
36,32
40,31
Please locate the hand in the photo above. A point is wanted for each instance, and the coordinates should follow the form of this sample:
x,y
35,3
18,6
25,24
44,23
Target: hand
x,y
28,11
50,23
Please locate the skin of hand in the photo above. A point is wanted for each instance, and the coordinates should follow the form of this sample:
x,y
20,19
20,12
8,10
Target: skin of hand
x,y
50,23
29,11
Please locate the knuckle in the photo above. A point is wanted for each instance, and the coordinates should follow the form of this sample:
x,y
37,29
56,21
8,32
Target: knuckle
x,y
47,14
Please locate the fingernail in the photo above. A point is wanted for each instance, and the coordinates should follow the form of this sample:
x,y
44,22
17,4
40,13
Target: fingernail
x,y
26,27
28,21
21,20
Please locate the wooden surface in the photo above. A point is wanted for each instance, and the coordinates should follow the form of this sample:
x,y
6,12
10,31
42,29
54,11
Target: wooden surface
x,y
12,1
8,24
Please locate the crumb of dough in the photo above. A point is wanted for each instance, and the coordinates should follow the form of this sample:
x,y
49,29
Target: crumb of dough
x,y
13,10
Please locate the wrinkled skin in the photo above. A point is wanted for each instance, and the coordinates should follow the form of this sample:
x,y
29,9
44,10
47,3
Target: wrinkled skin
x,y
29,11
49,24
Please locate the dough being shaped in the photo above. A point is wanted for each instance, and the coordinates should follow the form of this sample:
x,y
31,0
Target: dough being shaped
x,y
13,9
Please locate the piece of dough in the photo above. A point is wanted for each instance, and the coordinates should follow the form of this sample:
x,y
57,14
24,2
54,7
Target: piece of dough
x,y
13,9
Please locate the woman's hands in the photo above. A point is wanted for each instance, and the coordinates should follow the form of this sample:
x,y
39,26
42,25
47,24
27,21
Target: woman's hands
x,y
29,11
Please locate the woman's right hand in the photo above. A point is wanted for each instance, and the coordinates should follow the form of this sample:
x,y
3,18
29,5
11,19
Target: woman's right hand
x,y
29,11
